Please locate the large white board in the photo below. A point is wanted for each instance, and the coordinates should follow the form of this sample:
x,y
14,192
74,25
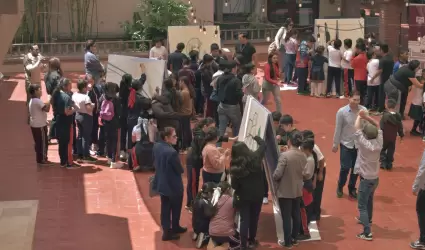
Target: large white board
x,y
119,65
352,28
193,39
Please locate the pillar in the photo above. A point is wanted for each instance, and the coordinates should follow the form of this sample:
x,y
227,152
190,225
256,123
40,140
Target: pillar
x,y
389,22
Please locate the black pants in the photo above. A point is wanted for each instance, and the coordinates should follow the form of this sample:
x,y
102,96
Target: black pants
x,y
111,135
234,241
302,74
123,136
249,213
95,129
317,198
420,210
186,132
74,137
211,177
65,135
40,143
334,75
291,217
85,126
403,101
199,101
361,87
193,174
266,184
171,207
101,141
382,96
372,97
387,154
130,124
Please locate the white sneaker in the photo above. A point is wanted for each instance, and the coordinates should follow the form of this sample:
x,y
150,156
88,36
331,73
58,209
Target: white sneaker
x,y
94,147
123,155
109,161
265,200
116,165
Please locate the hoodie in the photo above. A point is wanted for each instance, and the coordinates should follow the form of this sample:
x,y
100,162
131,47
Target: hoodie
x,y
164,113
391,125
229,89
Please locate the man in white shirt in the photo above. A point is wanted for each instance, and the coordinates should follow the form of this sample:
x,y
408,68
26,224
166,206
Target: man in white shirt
x,y
84,119
158,51
372,82
348,70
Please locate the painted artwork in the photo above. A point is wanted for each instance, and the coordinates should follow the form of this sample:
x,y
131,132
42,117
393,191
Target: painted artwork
x,y
119,65
193,38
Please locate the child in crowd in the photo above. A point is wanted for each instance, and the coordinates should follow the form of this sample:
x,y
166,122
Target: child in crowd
x,y
109,118
359,64
38,122
402,60
84,119
348,70
334,68
391,125
222,224
95,93
372,82
302,64
368,140
203,210
416,107
317,73
286,127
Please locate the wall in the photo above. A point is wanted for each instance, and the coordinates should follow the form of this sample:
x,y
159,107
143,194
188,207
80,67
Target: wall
x,y
328,10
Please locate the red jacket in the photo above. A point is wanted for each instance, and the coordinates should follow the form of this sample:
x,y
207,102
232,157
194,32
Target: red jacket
x,y
267,77
359,64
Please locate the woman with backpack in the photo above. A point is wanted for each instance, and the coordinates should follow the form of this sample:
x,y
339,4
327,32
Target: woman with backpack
x,y
203,210
109,118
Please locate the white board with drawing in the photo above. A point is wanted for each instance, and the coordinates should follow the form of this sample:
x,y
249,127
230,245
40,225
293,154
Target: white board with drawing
x,y
193,38
119,65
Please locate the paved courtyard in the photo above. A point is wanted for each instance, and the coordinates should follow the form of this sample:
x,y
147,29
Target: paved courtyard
x,y
97,208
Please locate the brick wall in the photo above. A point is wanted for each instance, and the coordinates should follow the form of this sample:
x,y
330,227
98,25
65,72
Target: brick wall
x,y
389,22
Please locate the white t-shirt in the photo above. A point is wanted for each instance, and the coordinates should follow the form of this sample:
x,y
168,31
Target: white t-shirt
x,y
348,54
155,52
335,57
81,100
417,97
319,154
38,117
372,68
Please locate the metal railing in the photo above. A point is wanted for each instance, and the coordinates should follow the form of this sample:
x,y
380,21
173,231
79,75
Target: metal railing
x,y
64,49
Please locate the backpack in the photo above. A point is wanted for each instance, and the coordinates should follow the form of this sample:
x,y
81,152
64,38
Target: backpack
x,y
107,110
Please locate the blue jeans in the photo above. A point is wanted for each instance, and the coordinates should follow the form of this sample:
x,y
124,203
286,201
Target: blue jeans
x,y
348,158
85,126
365,202
289,66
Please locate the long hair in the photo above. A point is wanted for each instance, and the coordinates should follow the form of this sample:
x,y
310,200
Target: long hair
x,y
224,187
111,90
55,65
242,160
270,62
206,190
61,86
136,85
172,96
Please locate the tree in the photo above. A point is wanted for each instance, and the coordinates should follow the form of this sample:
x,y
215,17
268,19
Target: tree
x,y
153,18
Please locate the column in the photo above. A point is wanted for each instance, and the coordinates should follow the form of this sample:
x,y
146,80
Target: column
x,y
389,22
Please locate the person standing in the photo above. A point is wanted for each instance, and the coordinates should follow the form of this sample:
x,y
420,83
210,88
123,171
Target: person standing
x,y
348,70
158,51
372,86
386,67
403,60
272,82
279,44
303,57
245,50
334,68
369,141
344,138
359,64
175,59
92,64
418,189
168,183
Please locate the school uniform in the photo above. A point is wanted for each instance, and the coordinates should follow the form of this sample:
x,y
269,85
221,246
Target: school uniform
x,y
372,86
416,110
348,72
391,125
64,127
301,64
317,74
112,130
38,124
95,94
84,120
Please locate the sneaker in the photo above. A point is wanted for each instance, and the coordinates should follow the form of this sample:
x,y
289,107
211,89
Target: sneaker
x,y
265,200
194,236
302,237
72,166
288,246
179,230
93,152
46,164
339,192
417,245
353,194
364,236
123,155
357,218
109,161
294,242
89,159
94,147
253,244
63,165
116,165
200,240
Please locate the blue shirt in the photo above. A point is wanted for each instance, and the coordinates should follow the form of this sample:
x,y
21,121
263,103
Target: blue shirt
x,y
344,126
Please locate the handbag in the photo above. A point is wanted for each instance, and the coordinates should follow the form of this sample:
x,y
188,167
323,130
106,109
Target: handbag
x,y
152,191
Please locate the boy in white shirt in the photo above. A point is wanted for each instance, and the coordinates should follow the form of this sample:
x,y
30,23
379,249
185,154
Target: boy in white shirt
x,y
38,123
348,70
372,83
158,51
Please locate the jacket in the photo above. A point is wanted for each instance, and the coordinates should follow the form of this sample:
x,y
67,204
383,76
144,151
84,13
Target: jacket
x,y
168,170
95,94
273,80
164,114
391,125
206,79
229,89
140,108
202,212
222,224
248,181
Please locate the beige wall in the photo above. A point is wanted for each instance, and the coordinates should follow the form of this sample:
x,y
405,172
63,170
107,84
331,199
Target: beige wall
x,y
327,9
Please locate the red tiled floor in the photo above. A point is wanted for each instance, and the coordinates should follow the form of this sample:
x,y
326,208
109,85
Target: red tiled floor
x,y
99,208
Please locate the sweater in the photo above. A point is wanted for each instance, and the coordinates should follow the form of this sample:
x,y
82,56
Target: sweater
x,y
273,80
222,224
213,159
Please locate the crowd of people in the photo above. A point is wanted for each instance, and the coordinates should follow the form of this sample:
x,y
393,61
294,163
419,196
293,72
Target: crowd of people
x,y
117,122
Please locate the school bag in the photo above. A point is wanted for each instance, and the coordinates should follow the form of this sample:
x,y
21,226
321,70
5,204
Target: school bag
x,y
107,110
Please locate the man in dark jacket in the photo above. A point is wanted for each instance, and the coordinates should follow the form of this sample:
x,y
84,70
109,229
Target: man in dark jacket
x,y
168,183
175,59
164,113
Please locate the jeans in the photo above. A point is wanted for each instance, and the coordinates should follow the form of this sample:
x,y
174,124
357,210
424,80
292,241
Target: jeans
x,y
95,129
365,202
228,113
361,87
186,137
348,158
211,177
420,211
302,79
290,209
317,198
85,126
387,154
249,213
289,66
101,141
348,81
193,174
171,207
275,90
372,97
111,135
334,75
